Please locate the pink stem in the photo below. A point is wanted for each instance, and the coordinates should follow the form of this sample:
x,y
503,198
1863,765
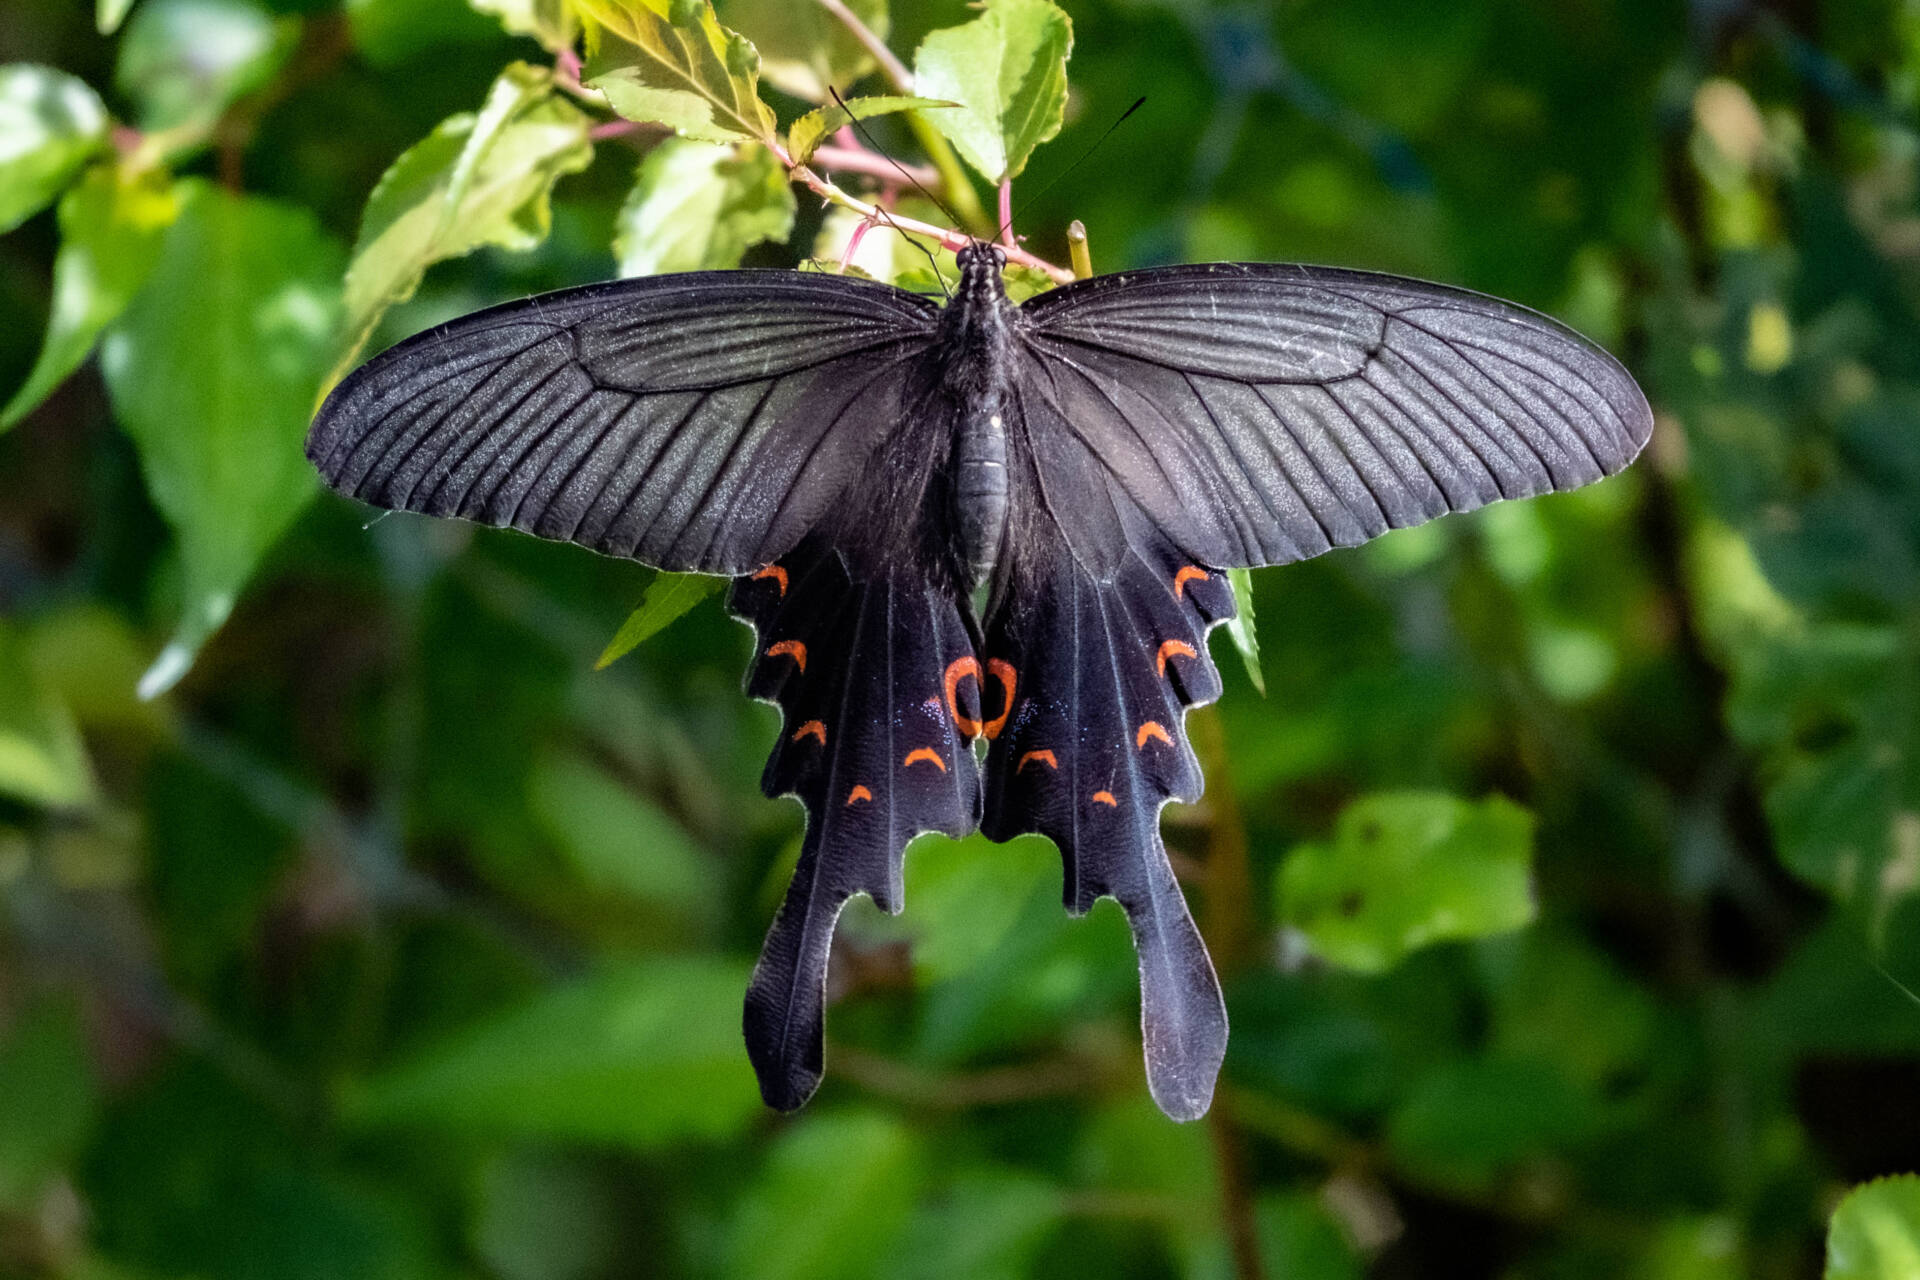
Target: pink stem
x,y
860,160
1006,214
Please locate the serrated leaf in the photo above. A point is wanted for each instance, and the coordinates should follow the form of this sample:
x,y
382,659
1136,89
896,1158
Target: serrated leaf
x,y
1875,1232
42,760
50,124
1008,71
111,226
668,598
1405,870
815,127
701,205
640,1056
689,73
478,179
804,50
213,372
184,61
551,22
1241,630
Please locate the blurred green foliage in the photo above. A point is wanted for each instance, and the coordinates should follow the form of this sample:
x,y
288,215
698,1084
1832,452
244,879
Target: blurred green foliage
x,y
1564,881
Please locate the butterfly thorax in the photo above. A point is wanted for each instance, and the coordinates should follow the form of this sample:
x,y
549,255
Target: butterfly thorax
x,y
976,350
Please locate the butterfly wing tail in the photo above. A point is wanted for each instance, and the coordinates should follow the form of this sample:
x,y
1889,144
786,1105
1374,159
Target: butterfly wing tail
x,y
872,743
1093,746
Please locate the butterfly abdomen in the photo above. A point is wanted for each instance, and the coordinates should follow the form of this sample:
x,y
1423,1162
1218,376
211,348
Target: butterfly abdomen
x,y
976,351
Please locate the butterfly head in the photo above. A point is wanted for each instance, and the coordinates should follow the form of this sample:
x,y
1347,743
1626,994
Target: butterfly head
x,y
980,266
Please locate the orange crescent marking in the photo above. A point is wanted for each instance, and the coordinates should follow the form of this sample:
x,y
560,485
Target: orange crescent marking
x,y
1151,729
958,670
1173,649
924,753
1002,670
1186,575
859,793
775,572
1043,756
792,648
813,727
1106,798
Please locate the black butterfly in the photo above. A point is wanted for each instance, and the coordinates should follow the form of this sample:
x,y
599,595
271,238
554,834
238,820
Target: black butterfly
x,y
861,459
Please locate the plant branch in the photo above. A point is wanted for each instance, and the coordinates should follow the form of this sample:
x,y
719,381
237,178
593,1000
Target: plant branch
x,y
860,160
946,236
894,69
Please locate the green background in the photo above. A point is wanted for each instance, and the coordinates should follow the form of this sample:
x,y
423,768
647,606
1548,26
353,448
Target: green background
x,y
1563,881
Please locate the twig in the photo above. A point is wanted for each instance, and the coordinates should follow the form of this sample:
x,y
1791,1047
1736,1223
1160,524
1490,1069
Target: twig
x,y
860,160
895,69
947,237
1006,213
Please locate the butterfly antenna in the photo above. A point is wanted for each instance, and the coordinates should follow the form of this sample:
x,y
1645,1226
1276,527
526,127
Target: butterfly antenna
x,y
1006,226
887,217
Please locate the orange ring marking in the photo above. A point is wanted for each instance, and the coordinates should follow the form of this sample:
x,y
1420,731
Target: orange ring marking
x,y
813,727
1173,649
775,572
1045,757
958,670
1001,670
1151,729
1186,575
793,649
859,793
924,753
1106,798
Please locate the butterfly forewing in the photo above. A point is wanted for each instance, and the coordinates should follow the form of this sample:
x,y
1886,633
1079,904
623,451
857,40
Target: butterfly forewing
x,y
703,422
1262,413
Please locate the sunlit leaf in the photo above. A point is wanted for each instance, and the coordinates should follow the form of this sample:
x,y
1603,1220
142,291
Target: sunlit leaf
x,y
478,179
551,22
831,1201
1008,71
50,123
690,74
805,50
815,127
701,205
1875,1233
183,62
668,598
639,1056
1241,629
1407,869
42,760
111,226
109,14
213,372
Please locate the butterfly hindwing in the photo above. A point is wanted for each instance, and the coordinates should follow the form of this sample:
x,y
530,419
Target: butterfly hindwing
x,y
874,678
1102,664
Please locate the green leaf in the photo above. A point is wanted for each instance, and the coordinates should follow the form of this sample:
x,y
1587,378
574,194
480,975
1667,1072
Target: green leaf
x,y
388,33
50,124
109,14
111,226
693,75
1406,869
477,179
551,22
1008,71
701,205
619,840
641,1056
1464,1122
1240,628
213,372
830,1204
986,1223
805,50
47,1080
815,127
42,760
668,597
1875,1233
183,62
1023,282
